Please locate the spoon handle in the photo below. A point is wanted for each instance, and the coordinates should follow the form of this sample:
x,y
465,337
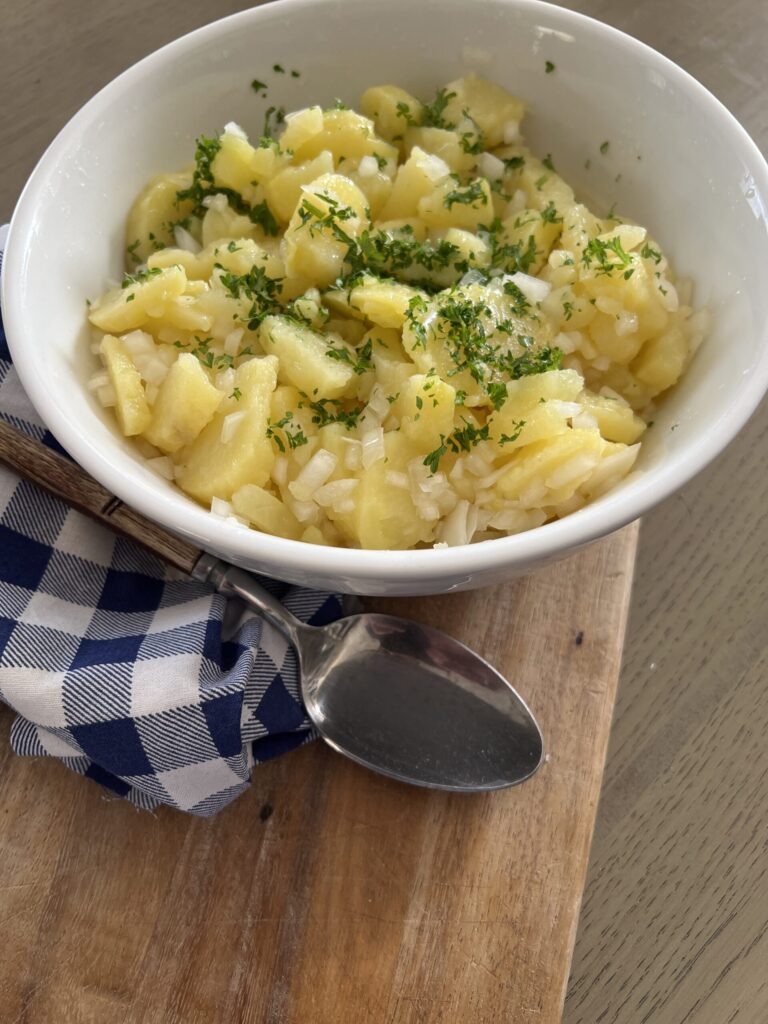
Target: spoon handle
x,y
233,582
68,482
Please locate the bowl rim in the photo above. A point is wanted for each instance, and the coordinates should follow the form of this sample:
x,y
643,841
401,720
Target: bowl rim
x,y
298,558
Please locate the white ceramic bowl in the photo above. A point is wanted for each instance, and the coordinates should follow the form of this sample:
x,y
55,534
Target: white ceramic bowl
x,y
687,170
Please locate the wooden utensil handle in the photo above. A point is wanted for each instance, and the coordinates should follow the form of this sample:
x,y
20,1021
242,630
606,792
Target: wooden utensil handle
x,y
33,461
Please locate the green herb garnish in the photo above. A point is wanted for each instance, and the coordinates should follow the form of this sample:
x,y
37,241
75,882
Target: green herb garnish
x,y
517,426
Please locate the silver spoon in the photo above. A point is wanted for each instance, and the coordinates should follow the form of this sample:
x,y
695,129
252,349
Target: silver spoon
x,y
399,697
396,696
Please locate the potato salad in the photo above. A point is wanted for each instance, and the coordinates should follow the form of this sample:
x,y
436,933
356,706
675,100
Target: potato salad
x,y
390,328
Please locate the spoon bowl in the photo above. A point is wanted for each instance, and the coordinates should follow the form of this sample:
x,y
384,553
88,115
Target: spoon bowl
x,y
400,697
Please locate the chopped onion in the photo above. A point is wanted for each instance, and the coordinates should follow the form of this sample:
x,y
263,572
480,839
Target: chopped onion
x,y
559,258
230,425
532,494
225,380
305,511
586,347
353,453
478,462
509,519
565,343
280,470
626,323
217,202
154,370
492,478
107,396
511,132
571,470
610,470
222,508
518,202
335,493
453,530
428,511
100,379
584,421
396,479
161,465
472,276
313,475
232,341
185,240
138,343
457,473
233,128
435,483
378,407
372,446
434,167
668,293
608,305
150,393
417,471
490,166
533,288
367,167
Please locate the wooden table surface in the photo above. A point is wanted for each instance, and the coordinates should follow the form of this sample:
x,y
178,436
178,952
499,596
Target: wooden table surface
x,y
675,922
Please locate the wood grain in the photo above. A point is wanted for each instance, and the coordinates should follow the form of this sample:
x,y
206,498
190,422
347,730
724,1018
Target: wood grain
x,y
67,481
327,893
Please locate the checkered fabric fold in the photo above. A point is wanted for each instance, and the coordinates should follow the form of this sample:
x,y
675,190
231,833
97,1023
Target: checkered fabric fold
x,y
127,671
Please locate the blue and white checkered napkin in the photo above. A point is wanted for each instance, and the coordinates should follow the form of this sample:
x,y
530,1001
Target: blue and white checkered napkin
x,y
126,670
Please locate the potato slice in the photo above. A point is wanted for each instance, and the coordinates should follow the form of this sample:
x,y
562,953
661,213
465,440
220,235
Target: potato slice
x,y
391,109
131,406
184,405
312,249
385,515
284,190
212,467
616,420
240,166
141,295
344,132
426,409
304,359
384,303
493,109
443,143
454,205
415,179
155,209
266,512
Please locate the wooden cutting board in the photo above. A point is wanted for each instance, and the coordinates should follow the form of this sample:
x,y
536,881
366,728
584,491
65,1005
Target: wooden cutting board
x,y
327,894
